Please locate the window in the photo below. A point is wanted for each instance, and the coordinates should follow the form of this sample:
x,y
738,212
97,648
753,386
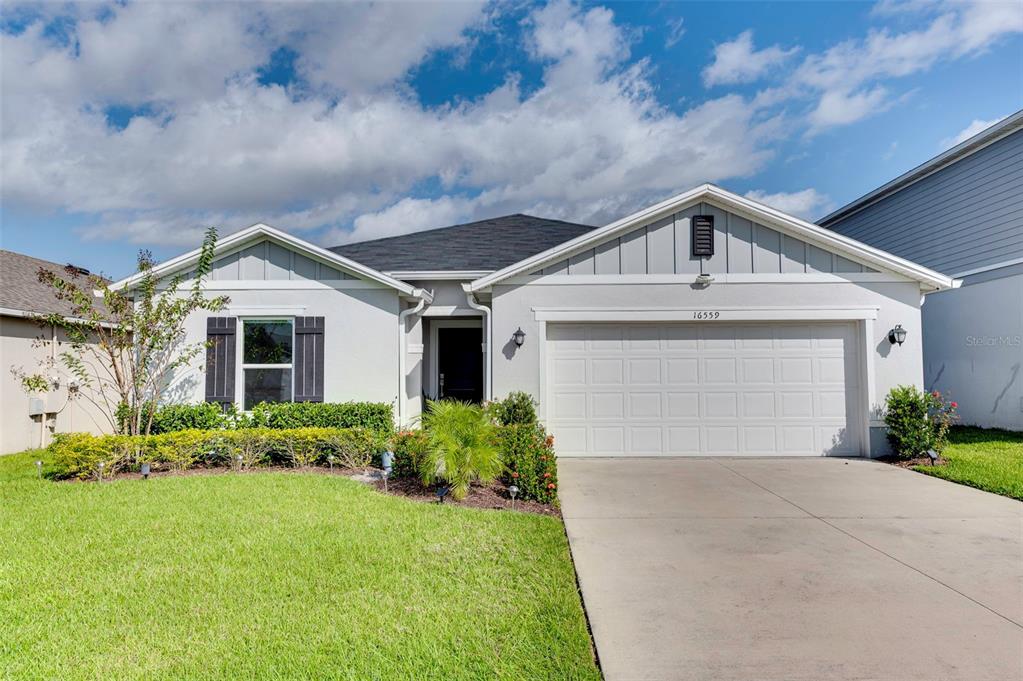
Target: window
x,y
267,361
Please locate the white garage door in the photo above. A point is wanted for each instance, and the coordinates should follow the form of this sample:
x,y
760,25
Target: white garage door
x,y
703,389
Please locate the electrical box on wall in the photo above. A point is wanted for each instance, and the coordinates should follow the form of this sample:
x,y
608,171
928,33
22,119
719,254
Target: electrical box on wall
x,y
703,235
36,406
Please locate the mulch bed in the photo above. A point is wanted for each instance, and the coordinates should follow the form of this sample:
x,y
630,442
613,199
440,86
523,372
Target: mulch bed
x,y
909,463
493,496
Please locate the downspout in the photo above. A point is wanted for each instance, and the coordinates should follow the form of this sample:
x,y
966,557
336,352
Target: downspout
x,y
422,296
487,334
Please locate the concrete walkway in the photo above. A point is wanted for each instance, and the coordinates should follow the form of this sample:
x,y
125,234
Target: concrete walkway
x,y
819,569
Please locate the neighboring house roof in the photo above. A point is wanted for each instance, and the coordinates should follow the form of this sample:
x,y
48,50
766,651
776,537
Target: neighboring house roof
x,y
261,231
21,292
482,246
740,205
1003,128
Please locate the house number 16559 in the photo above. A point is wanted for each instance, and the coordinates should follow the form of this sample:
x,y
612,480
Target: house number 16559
x,y
706,314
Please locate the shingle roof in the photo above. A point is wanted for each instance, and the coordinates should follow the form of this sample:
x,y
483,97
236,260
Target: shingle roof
x,y
20,288
485,245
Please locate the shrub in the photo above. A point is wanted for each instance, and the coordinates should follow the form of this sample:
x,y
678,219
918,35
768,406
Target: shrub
x,y
518,408
203,416
372,415
79,455
409,448
462,446
528,454
917,421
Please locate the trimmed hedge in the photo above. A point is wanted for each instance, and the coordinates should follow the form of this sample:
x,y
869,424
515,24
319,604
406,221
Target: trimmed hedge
x,y
79,455
373,415
277,415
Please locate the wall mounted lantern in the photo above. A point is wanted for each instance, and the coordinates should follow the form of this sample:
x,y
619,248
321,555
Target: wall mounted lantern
x,y
897,335
519,337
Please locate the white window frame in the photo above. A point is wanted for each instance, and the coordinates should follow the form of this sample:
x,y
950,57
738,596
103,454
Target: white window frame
x,y
241,366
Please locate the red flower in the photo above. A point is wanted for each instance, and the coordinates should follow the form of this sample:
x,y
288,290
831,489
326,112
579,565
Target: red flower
x,y
515,475
550,486
546,475
936,394
549,441
543,458
954,405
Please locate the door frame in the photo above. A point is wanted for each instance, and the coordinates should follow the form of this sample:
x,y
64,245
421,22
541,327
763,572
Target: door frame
x,y
437,323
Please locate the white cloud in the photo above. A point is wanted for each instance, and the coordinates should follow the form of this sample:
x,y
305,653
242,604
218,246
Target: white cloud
x,y
676,29
976,126
590,143
807,203
846,77
738,62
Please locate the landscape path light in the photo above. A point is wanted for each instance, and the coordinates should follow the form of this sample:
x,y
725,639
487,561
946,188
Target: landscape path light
x,y
145,470
39,469
513,490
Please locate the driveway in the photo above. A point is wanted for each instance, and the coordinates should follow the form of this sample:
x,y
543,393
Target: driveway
x,y
818,569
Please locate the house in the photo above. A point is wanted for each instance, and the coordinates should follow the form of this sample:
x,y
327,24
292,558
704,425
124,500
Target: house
x,y
27,419
962,212
708,324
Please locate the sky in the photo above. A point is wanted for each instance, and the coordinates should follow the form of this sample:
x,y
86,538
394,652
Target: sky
x,y
131,126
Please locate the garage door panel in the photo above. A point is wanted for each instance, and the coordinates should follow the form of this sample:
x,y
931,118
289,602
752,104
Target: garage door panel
x,y
703,389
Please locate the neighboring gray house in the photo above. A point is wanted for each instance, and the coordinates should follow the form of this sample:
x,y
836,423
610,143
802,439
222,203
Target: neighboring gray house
x,y
31,420
962,213
707,324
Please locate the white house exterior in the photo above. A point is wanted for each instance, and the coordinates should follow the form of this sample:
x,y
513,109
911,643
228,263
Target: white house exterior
x,y
962,212
772,341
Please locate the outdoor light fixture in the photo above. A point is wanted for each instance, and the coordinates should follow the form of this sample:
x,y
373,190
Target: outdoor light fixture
x,y
145,470
101,466
933,456
330,461
239,460
513,491
387,461
442,492
704,280
897,335
519,337
39,469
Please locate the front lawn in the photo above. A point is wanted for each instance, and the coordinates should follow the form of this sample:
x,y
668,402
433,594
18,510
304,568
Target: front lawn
x,y
277,575
986,458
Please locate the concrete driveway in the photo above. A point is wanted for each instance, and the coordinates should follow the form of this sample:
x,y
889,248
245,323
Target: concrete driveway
x,y
819,569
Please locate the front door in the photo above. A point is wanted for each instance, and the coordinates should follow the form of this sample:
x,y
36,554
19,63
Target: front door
x,y
460,363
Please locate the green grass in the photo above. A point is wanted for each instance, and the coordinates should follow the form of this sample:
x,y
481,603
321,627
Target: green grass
x,y
277,575
989,459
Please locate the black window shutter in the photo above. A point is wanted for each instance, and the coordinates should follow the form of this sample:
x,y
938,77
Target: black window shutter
x,y
220,359
309,359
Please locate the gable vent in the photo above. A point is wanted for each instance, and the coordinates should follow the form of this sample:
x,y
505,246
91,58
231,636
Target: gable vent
x,y
703,235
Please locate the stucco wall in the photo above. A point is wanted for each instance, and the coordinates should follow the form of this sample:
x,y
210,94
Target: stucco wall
x,y
973,349
18,430
360,337
898,302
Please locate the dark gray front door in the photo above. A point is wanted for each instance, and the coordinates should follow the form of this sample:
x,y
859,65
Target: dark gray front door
x,y
460,364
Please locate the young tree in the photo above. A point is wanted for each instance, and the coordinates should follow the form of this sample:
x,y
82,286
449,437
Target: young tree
x,y
124,345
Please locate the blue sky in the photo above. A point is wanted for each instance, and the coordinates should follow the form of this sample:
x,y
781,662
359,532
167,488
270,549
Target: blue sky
x,y
130,126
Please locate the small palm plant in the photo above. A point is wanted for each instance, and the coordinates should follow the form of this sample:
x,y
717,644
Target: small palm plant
x,y
462,446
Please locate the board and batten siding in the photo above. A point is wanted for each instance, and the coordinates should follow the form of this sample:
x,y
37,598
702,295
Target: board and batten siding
x,y
268,261
740,247
962,217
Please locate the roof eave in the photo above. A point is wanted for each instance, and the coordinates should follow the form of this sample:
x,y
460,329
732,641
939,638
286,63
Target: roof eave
x,y
260,229
728,201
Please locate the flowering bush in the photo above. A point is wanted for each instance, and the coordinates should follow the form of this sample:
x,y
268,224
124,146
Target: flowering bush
x,y
516,409
528,455
918,421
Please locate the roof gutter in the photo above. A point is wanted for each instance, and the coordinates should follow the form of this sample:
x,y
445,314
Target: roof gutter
x,y
488,364
423,298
